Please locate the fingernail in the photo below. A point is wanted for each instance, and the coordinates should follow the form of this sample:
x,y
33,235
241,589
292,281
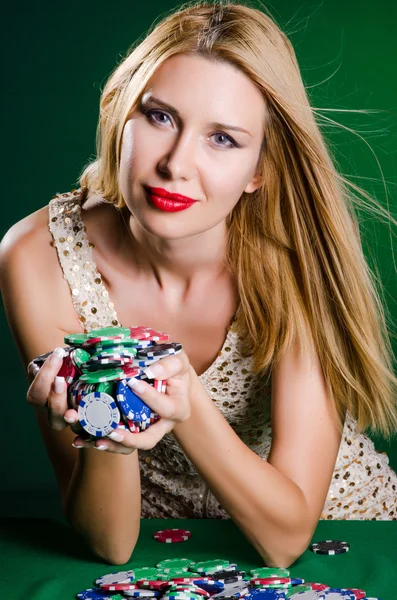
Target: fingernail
x,y
74,445
154,371
101,447
59,384
58,353
35,369
69,420
136,385
117,437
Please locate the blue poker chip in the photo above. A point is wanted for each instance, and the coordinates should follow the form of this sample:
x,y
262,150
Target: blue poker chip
x,y
266,594
94,594
296,581
130,404
210,586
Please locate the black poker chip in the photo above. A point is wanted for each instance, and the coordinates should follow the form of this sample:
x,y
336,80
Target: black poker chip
x,y
158,350
99,366
330,547
228,576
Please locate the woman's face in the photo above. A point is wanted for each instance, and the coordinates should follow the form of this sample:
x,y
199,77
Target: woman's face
x,y
186,153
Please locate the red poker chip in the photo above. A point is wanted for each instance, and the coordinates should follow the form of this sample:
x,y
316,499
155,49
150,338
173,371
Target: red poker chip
x,y
170,536
359,594
193,588
188,579
318,587
131,371
144,333
67,370
152,584
270,580
118,587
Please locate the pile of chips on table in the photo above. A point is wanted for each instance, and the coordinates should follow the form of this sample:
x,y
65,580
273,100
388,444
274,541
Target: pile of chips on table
x,y
97,367
184,579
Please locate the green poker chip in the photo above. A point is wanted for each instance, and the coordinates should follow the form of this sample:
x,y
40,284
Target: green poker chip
x,y
179,573
263,572
211,566
108,332
175,563
80,356
302,587
129,342
76,339
105,386
102,375
115,350
147,573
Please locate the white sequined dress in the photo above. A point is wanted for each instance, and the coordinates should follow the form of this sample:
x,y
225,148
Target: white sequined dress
x,y
363,485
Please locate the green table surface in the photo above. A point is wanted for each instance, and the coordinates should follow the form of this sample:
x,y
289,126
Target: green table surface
x,y
44,559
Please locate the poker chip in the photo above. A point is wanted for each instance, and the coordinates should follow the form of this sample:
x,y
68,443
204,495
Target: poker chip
x,y
118,587
142,593
131,406
269,594
318,587
271,580
148,573
212,587
93,365
170,536
228,576
175,563
75,339
152,584
358,594
67,370
210,566
97,594
160,350
330,547
78,356
103,375
98,414
296,589
338,594
269,572
119,577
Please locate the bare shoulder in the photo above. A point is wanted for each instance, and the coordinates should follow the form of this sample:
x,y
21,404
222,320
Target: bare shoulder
x,y
35,294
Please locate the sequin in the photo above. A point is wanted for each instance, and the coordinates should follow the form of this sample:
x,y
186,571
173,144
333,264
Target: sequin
x,y
363,485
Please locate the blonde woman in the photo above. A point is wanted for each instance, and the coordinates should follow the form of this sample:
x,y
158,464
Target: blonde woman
x,y
256,268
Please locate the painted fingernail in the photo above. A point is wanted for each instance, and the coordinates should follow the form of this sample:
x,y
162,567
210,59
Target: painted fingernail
x,y
58,353
136,385
69,420
59,385
116,437
101,447
74,445
154,371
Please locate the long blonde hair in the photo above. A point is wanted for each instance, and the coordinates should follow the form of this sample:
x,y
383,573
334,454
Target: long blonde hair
x,y
293,245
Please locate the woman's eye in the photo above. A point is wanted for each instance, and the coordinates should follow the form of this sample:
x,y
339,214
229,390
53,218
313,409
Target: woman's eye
x,y
150,114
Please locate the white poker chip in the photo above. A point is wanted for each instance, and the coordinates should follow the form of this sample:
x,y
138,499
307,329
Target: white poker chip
x,y
308,595
120,577
98,414
144,593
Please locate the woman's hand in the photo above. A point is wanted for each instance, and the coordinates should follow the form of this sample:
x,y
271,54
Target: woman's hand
x,y
173,407
49,392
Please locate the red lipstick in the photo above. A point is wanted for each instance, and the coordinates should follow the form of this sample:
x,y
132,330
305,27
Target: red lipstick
x,y
167,201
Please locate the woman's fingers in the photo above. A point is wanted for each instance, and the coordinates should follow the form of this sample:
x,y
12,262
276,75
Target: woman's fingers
x,y
122,441
172,405
169,366
40,388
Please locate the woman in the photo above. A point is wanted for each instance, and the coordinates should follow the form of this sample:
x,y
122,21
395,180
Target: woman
x,y
260,275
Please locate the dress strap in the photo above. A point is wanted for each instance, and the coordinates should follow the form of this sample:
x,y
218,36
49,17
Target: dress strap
x,y
89,296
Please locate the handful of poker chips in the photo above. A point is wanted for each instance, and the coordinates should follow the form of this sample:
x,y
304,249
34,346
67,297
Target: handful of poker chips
x,y
97,367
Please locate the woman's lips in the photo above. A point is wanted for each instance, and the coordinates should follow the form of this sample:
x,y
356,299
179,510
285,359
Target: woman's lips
x,y
166,204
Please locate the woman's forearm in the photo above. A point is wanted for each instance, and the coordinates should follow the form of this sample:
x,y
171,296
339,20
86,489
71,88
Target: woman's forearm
x,y
103,502
268,507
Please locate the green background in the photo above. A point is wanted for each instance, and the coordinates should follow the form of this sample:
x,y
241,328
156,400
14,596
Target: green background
x,y
56,59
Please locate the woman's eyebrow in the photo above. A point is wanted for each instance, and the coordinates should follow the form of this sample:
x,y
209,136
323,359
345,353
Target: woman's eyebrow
x,y
173,110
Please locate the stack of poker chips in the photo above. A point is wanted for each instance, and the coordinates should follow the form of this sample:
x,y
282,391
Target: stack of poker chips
x,y
97,367
185,579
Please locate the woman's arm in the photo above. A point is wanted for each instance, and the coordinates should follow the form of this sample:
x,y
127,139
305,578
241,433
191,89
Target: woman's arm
x,y
100,492
276,503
